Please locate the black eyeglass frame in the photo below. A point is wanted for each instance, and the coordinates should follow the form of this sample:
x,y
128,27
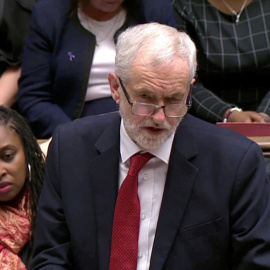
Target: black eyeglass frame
x,y
188,102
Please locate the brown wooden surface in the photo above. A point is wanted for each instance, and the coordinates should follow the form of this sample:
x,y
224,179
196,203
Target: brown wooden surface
x,y
264,143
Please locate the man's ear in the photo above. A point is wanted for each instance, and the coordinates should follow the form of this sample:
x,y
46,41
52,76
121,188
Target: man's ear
x,y
115,87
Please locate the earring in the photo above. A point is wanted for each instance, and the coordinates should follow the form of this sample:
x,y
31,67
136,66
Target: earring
x,y
29,172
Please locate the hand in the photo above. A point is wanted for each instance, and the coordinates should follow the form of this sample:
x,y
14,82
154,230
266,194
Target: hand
x,y
246,116
265,116
9,86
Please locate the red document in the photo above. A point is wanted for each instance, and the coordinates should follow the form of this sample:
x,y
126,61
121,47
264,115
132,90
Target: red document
x,y
248,129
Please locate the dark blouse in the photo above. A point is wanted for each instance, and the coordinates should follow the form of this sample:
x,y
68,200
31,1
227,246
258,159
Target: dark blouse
x,y
14,23
233,59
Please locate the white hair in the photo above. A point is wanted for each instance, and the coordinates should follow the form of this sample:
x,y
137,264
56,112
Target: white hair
x,y
159,43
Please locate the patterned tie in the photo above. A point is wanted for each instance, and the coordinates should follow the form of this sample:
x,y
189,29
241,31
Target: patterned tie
x,y
124,249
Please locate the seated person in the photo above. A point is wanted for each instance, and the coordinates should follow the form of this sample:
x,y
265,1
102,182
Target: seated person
x,y
21,176
232,37
201,199
69,53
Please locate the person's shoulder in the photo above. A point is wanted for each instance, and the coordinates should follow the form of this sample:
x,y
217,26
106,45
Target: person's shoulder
x,y
100,119
196,124
52,8
53,4
88,129
91,124
215,143
209,133
50,16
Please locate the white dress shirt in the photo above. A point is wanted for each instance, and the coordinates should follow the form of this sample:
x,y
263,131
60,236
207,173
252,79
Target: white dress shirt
x,y
151,182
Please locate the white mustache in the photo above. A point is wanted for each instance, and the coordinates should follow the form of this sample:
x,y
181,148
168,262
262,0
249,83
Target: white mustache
x,y
151,124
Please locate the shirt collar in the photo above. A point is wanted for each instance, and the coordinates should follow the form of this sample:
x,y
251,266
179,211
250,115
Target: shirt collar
x,y
128,148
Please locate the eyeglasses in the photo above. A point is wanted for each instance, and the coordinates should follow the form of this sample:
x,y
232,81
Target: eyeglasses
x,y
147,109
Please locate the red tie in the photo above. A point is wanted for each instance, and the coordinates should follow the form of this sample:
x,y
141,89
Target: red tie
x,y
124,249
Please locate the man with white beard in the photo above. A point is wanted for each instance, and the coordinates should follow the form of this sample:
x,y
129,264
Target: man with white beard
x,y
152,187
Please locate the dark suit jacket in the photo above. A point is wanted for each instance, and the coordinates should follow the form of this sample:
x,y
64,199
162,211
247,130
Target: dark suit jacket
x,y
215,212
52,88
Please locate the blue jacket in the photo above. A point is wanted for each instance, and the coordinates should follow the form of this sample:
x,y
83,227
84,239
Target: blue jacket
x,y
214,214
52,88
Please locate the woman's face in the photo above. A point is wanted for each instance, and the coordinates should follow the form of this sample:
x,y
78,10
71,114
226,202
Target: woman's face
x,y
107,6
12,164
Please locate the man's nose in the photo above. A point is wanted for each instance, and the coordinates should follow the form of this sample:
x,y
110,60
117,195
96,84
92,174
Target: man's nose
x,y
159,116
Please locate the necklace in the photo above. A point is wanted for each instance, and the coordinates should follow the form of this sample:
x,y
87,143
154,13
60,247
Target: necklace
x,y
236,14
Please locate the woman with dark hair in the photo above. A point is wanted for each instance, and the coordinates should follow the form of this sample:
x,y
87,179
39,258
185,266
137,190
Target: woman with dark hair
x,y
69,53
21,175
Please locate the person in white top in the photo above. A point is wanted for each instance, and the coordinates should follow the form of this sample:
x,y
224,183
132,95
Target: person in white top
x,y
69,52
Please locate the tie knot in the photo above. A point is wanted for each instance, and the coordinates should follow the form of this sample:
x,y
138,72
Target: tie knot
x,y
137,161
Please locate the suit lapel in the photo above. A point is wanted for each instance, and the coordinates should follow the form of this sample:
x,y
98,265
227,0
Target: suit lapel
x,y
105,184
179,183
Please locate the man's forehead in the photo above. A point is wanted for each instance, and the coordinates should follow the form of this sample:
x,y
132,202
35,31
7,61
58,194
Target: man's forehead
x,y
144,63
160,75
